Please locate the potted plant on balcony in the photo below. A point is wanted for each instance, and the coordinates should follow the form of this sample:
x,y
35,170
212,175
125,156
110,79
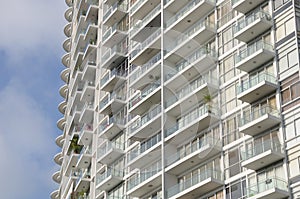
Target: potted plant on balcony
x,y
208,101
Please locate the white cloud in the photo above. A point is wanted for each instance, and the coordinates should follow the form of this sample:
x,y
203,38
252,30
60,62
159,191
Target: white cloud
x,y
26,146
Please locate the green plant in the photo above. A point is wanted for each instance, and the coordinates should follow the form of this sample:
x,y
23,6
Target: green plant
x,y
208,101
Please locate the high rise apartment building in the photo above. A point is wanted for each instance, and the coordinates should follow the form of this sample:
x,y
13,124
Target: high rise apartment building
x,y
180,99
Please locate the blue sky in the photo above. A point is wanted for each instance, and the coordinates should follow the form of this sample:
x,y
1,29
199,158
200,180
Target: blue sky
x,y
31,37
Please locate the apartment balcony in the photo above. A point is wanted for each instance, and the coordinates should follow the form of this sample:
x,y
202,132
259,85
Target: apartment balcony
x,y
141,7
259,120
194,122
56,177
115,13
71,163
110,2
193,11
67,45
188,41
64,75
245,6
89,71
274,188
146,180
252,26
194,64
115,34
190,95
92,11
114,56
146,72
88,91
110,126
54,194
110,151
60,140
63,91
256,87
69,14
148,96
148,48
196,186
83,180
85,157
90,48
112,79
145,153
61,123
111,103
147,124
109,179
86,134
199,152
66,60
262,154
58,158
87,114
69,2
62,107
68,30
142,28
254,56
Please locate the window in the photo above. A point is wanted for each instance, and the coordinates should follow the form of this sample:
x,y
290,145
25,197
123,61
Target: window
x,y
285,28
278,3
232,163
230,128
290,91
236,190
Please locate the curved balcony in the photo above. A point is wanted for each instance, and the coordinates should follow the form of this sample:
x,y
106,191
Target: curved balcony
x,y
270,188
55,194
194,64
60,140
142,7
110,151
192,11
197,185
109,127
256,87
262,154
245,6
255,55
68,29
150,95
190,95
66,60
63,91
62,107
69,2
188,125
111,103
252,26
200,151
184,43
146,72
148,48
112,79
67,45
61,123
109,179
69,14
147,124
58,158
56,177
115,13
259,120
64,75
146,180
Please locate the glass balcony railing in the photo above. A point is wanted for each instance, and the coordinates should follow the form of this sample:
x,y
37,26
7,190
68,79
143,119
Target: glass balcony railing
x,y
123,6
145,20
85,127
136,5
257,113
186,35
201,144
145,67
259,14
144,174
200,52
109,75
108,146
83,174
266,185
109,98
118,48
112,30
144,93
144,119
111,120
261,147
254,80
144,44
88,106
109,172
251,49
137,151
190,88
185,10
190,118
93,2
189,182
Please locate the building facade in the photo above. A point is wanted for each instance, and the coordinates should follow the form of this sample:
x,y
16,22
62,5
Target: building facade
x,y
180,99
